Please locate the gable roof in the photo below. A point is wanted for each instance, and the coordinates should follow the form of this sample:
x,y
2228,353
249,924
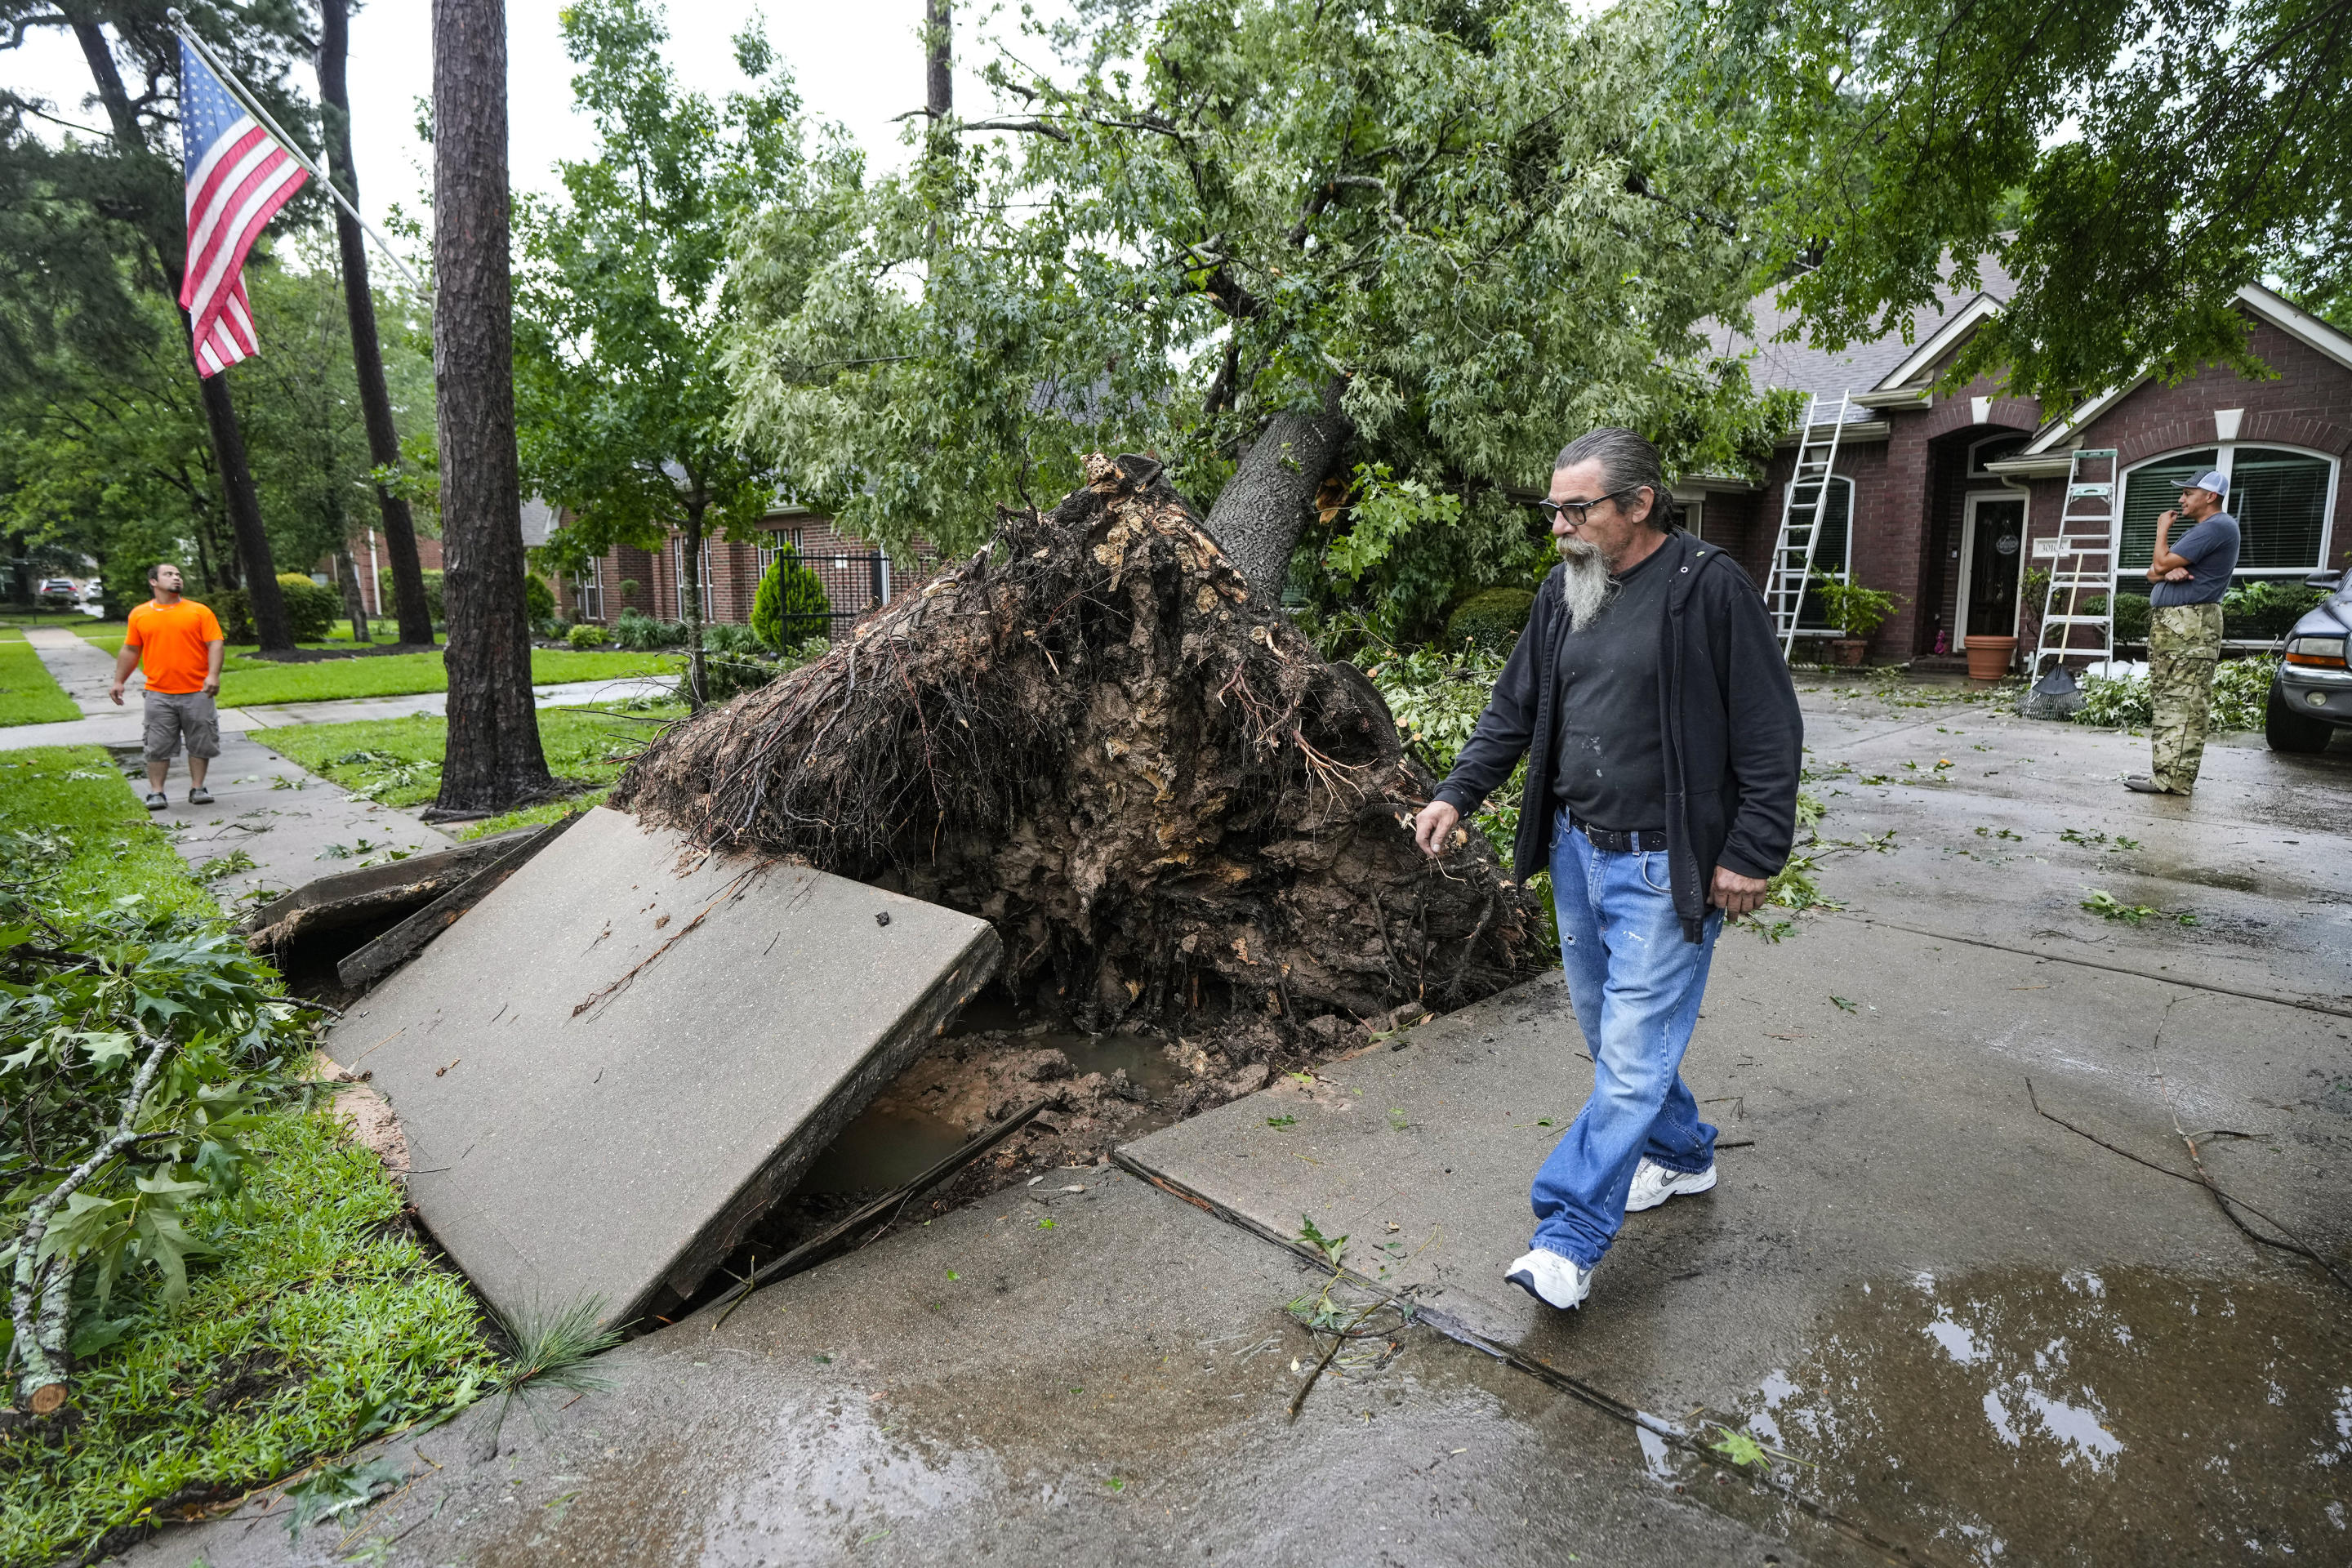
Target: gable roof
x,y
1874,364
2258,301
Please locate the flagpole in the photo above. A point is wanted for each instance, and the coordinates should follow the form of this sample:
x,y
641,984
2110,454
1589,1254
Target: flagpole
x,y
251,102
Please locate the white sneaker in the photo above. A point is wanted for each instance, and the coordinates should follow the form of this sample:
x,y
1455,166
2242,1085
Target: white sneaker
x,y
1554,1281
1654,1184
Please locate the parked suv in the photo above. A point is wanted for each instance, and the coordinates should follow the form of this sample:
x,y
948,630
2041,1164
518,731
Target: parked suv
x,y
2311,695
60,593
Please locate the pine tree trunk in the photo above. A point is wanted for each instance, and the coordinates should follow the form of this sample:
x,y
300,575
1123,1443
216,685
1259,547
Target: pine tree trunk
x,y
416,613
167,232
494,761
1262,509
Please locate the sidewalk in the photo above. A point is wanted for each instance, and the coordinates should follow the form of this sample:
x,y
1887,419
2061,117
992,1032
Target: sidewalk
x,y
290,825
86,672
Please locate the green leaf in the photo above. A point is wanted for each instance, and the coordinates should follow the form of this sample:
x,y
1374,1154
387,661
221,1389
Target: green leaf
x,y
1740,1447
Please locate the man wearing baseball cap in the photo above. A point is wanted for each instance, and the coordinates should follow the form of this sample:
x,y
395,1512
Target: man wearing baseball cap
x,y
2184,630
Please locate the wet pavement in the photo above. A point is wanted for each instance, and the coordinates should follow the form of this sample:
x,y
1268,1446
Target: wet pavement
x,y
1045,1376
1954,1330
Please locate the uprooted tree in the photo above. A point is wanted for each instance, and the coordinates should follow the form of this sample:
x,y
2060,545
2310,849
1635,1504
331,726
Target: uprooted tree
x,y
1097,734
1256,236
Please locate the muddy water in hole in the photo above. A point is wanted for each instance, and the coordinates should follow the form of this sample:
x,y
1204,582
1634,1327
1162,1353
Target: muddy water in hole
x,y
885,1147
2108,1416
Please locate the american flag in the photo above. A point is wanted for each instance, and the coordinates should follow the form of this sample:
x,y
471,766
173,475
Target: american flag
x,y
238,176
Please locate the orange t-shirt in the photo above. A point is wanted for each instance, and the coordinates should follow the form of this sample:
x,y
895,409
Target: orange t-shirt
x,y
170,642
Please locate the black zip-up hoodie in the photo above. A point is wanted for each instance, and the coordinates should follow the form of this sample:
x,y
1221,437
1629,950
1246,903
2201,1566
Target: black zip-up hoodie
x,y
1734,738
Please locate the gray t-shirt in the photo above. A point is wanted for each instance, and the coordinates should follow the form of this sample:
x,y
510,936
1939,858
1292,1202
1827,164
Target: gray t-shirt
x,y
2212,551
1609,750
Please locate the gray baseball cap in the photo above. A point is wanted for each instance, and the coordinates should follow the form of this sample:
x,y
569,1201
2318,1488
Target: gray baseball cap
x,y
2210,480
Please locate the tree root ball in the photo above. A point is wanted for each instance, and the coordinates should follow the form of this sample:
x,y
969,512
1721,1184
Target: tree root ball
x,y
1096,734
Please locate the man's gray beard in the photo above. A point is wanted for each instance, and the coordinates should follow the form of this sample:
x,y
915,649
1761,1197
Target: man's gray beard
x,y
1586,586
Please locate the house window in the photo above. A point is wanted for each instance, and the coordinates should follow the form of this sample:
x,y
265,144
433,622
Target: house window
x,y
2281,497
775,542
677,575
588,593
1833,552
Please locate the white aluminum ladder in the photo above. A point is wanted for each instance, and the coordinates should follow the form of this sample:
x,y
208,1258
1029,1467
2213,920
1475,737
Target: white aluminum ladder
x,y
1804,507
2084,565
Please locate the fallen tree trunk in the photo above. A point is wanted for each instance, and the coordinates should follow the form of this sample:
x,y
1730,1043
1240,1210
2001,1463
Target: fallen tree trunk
x,y
1094,734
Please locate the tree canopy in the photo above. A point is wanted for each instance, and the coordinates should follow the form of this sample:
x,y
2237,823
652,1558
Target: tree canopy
x,y
2130,164
623,304
1446,235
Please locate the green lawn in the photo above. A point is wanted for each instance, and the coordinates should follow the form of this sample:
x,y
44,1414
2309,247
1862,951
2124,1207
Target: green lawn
x,y
246,682
29,694
398,761
315,1319
115,849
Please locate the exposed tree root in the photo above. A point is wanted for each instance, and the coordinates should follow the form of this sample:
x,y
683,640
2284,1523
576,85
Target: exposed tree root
x,y
1095,735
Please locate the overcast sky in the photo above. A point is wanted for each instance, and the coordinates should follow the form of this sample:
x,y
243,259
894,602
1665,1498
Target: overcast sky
x,y
858,62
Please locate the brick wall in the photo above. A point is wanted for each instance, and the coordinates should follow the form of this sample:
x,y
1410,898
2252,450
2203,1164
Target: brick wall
x,y
735,572
2308,406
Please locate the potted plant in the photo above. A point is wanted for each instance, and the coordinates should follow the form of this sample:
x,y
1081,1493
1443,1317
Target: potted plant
x,y
1856,612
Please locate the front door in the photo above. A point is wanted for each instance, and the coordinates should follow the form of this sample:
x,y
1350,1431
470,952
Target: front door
x,y
1996,533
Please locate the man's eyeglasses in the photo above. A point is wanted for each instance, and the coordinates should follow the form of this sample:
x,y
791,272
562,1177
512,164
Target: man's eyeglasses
x,y
1576,511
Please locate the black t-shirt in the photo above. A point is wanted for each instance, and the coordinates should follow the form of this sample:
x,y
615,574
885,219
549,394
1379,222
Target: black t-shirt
x,y
1611,761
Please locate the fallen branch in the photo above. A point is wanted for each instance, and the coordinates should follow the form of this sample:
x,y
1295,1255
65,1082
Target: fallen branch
x,y
1338,1339
42,1307
817,1247
2295,1244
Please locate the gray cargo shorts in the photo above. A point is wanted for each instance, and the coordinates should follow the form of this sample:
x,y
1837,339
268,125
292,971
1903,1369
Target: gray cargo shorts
x,y
175,716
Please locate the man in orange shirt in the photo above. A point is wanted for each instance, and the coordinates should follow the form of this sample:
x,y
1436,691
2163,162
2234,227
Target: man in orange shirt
x,y
182,646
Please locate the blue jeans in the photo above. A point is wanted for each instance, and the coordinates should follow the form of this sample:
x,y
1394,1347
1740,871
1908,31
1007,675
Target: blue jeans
x,y
1636,985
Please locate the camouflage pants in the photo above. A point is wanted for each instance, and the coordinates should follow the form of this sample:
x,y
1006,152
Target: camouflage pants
x,y
2184,642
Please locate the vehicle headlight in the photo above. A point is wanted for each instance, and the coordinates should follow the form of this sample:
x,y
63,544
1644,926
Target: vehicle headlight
x,y
2325,653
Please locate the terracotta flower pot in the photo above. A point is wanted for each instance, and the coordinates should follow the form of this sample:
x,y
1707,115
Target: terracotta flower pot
x,y
1989,657
1846,652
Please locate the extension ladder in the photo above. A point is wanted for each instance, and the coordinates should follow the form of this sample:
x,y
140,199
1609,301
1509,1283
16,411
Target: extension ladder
x,y
2084,563
1804,507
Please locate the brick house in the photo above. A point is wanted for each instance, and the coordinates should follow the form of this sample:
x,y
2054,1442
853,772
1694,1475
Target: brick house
x,y
855,576
1939,496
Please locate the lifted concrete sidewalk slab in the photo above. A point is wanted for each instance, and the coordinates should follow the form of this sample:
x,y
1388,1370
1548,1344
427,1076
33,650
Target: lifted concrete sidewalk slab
x,y
617,1061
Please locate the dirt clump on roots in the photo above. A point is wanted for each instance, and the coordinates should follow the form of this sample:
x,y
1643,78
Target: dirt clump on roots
x,y
1095,733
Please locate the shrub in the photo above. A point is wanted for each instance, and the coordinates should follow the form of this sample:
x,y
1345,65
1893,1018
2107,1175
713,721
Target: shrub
x,y
2265,608
641,633
792,606
1492,618
538,599
587,634
233,611
311,607
391,600
1855,611
729,674
2131,614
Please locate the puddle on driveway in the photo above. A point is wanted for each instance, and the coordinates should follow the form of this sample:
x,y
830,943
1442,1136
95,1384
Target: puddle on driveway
x,y
2100,1416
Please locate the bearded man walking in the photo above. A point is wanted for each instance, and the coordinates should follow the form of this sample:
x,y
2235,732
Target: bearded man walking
x,y
1664,749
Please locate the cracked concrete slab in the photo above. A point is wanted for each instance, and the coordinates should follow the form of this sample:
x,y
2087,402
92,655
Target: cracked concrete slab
x,y
982,1387
611,1065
